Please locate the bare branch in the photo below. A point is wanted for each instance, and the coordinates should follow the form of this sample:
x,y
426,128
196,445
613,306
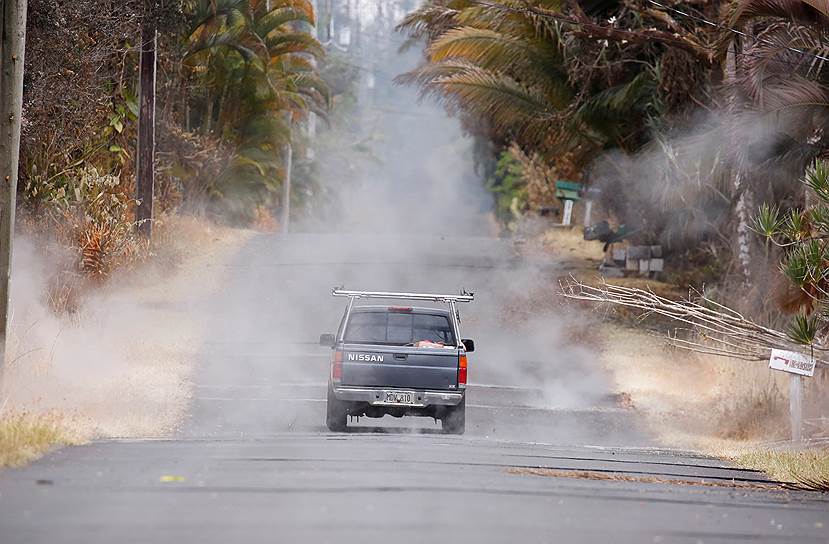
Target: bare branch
x,y
719,330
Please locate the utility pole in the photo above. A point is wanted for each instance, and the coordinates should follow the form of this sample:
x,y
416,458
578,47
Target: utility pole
x,y
12,49
286,189
796,407
145,175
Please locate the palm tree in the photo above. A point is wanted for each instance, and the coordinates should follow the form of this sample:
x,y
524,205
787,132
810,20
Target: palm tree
x,y
584,76
777,86
259,73
514,71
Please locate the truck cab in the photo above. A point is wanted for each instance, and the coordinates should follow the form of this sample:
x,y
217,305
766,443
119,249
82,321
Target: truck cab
x,y
398,360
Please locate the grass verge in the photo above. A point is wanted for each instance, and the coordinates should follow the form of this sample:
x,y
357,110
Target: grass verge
x,y
806,469
24,437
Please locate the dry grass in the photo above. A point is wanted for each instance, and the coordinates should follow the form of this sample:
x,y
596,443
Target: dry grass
x,y
689,400
88,365
569,245
713,404
807,469
26,436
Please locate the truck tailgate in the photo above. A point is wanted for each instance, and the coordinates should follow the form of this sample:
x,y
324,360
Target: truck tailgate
x,y
393,366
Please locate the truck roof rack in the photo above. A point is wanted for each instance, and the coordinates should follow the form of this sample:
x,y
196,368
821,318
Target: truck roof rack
x,y
462,297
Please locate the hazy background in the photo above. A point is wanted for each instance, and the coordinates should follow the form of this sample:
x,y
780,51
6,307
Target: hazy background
x,y
409,214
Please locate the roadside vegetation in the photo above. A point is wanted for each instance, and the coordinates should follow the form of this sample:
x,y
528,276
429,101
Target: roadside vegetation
x,y
237,80
238,83
685,128
25,436
702,127
808,469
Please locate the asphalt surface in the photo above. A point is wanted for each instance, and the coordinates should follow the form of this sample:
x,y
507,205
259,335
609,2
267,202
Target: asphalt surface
x,y
549,456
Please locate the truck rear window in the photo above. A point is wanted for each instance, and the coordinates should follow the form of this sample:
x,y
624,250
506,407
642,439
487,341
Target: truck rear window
x,y
398,328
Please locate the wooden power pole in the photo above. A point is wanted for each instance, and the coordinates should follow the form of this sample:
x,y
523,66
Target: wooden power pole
x,y
12,48
286,189
145,175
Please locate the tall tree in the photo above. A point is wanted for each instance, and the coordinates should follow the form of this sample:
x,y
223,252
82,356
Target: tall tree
x,y
261,79
12,49
145,171
778,94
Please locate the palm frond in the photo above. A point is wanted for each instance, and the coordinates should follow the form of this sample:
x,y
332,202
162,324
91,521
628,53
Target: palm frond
x,y
783,94
807,12
427,73
504,103
294,42
608,111
431,19
278,17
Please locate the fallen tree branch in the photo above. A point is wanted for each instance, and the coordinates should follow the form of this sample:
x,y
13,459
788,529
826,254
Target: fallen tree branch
x,y
719,330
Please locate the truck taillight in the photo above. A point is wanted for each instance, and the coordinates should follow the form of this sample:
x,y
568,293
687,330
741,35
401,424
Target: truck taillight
x,y
337,366
462,369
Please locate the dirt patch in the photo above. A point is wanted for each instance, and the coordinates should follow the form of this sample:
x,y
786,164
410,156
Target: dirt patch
x,y
638,478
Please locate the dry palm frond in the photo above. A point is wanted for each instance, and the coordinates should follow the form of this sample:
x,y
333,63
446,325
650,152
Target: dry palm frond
x,y
805,11
506,104
534,63
425,75
484,47
94,246
432,19
782,95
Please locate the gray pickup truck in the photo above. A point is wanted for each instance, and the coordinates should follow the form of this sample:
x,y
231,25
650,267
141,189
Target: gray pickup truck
x,y
398,361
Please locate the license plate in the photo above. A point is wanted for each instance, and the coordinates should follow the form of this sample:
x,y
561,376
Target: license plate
x,y
398,397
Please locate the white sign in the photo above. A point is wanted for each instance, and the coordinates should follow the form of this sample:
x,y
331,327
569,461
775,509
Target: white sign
x,y
792,361
568,212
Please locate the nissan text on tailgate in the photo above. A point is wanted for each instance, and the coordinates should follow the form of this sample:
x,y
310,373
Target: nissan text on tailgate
x,y
398,361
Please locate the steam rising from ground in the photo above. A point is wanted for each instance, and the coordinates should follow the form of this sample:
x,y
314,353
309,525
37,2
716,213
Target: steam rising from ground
x,y
409,214
119,365
424,196
414,218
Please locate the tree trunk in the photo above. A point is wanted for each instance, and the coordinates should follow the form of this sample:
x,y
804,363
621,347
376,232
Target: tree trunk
x,y
12,48
744,207
220,114
743,210
145,179
286,189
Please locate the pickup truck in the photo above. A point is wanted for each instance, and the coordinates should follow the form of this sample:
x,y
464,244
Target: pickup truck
x,y
398,361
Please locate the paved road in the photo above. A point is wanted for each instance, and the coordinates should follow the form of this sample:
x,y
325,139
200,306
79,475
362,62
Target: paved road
x,y
549,456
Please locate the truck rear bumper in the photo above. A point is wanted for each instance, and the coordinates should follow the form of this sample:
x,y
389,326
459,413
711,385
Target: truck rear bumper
x,y
375,396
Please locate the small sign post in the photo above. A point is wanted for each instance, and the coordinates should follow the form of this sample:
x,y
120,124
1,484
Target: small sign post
x,y
568,212
792,361
798,365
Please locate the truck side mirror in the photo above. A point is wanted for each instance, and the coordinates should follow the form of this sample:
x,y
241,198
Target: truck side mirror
x,y
469,344
327,340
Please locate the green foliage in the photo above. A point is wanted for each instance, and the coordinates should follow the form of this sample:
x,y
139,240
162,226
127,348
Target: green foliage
x,y
257,72
514,72
804,330
509,187
768,222
804,236
817,179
